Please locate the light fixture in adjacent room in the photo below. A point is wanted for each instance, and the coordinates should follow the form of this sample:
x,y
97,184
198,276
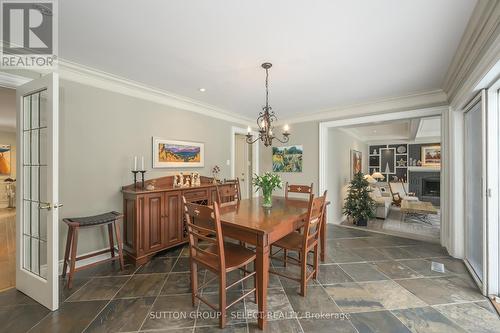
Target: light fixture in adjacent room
x,y
202,89
266,119
378,176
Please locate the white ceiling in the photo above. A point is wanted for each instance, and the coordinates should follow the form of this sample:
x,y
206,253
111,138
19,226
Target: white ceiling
x,y
417,129
326,53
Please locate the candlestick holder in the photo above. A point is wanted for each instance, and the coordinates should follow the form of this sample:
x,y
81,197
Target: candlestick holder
x,y
142,177
135,172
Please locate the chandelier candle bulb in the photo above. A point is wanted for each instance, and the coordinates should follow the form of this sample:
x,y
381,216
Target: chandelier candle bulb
x,y
249,130
286,128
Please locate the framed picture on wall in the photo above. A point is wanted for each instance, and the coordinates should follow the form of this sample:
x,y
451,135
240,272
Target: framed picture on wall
x,y
5,160
177,154
431,155
356,162
287,159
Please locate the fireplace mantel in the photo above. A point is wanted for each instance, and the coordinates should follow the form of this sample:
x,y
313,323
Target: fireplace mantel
x,y
423,169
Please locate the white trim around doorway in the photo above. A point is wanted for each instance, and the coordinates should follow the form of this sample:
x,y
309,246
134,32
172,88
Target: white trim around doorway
x,y
255,153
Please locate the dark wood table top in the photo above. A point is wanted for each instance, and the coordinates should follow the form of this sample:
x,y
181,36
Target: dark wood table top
x,y
249,214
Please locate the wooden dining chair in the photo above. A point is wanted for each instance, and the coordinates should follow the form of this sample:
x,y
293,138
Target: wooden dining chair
x,y
303,243
229,192
298,189
219,257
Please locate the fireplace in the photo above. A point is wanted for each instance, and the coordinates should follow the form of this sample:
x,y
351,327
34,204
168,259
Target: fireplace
x,y
431,187
426,185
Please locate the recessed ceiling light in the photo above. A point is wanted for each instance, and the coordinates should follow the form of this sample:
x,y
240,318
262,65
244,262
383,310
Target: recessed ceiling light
x,y
202,89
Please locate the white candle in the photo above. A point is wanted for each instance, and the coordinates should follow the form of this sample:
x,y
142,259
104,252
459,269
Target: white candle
x,y
142,163
135,163
249,130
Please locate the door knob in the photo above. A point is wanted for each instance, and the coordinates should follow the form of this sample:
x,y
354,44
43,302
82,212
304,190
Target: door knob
x,y
45,205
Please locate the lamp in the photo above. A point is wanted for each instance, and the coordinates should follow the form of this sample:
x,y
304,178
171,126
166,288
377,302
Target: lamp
x,y
378,176
370,179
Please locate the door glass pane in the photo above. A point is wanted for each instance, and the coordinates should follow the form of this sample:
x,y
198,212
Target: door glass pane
x,y
26,112
35,182
35,136
43,109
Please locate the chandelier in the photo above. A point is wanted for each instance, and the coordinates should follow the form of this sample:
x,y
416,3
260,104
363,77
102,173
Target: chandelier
x,y
266,119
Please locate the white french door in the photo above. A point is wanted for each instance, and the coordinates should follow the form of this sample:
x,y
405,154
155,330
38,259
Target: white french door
x,y
37,226
475,189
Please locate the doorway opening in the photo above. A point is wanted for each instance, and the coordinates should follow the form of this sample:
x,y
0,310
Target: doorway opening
x,y
400,156
244,161
243,165
7,188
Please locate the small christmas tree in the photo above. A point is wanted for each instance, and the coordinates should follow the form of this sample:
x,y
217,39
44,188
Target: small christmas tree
x,y
358,204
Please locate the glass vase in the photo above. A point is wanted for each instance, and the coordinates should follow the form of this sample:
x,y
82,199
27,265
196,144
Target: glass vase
x,y
267,195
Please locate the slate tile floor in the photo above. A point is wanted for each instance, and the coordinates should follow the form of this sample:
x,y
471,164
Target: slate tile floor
x,y
370,283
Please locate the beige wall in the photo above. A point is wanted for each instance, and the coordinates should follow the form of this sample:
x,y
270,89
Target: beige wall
x,y
338,170
101,131
7,109
305,134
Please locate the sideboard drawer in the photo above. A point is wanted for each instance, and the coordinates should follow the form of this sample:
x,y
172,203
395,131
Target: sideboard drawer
x,y
196,195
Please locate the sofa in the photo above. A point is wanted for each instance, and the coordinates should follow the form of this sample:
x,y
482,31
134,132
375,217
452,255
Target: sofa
x,y
383,202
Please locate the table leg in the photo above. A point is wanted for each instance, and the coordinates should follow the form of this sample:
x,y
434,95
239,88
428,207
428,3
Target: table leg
x,y
323,237
262,280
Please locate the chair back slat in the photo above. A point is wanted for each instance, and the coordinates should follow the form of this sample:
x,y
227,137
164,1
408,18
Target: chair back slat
x,y
229,192
304,189
202,223
312,227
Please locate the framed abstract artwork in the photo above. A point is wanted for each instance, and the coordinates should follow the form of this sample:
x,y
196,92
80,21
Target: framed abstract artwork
x,y
388,160
5,160
287,159
177,154
356,162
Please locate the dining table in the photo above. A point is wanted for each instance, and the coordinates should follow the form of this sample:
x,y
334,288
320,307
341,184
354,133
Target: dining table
x,y
250,222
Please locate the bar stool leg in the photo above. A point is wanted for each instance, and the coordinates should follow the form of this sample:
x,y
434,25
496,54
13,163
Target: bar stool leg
x,y
119,241
72,263
111,241
66,252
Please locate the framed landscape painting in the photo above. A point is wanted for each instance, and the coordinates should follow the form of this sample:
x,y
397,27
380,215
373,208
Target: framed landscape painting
x,y
356,162
287,159
431,155
177,154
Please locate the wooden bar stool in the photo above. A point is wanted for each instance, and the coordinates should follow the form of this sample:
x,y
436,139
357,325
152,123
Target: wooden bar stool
x,y
74,224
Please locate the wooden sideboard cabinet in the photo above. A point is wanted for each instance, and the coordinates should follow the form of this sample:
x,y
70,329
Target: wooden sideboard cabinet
x,y
154,220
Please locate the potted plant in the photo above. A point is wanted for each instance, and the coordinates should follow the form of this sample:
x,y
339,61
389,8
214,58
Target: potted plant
x,y
358,204
267,183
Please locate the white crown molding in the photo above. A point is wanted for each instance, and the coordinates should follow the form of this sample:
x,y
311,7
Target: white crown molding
x,y
477,53
351,133
395,104
12,81
89,76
